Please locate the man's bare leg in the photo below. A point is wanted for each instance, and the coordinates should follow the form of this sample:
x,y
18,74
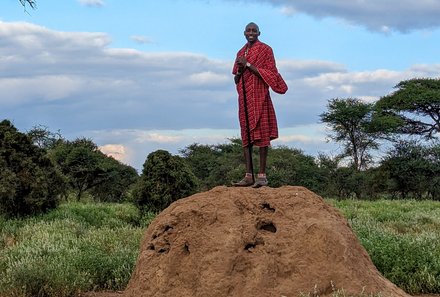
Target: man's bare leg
x,y
248,180
261,178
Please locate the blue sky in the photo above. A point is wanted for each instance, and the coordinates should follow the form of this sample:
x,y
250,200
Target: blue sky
x,y
137,76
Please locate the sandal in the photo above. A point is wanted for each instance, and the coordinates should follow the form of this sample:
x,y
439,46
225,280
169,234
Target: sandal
x,y
260,182
245,182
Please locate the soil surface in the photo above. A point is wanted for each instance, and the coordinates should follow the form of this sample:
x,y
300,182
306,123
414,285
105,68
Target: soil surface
x,y
248,242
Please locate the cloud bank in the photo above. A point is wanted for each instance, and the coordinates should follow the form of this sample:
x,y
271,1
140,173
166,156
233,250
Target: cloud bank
x,y
132,102
376,15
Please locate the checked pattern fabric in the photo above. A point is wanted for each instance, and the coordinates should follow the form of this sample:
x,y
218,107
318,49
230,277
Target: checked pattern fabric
x,y
261,113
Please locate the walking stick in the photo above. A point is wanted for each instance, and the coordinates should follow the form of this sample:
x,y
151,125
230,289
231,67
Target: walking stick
x,y
248,132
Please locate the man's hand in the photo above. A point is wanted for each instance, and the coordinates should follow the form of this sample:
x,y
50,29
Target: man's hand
x,y
237,77
241,63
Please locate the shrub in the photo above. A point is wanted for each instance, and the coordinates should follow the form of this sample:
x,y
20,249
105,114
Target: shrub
x,y
29,182
165,179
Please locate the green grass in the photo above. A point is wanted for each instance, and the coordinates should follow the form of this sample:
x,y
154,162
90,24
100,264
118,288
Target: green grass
x,y
90,246
78,247
402,239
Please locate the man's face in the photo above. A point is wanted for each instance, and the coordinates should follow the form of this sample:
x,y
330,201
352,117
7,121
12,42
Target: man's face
x,y
251,33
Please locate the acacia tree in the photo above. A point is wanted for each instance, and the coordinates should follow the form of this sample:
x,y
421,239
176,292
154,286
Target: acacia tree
x,y
42,137
79,161
413,109
89,169
350,122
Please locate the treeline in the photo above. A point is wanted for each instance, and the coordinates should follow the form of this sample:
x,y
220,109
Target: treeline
x,y
408,170
39,168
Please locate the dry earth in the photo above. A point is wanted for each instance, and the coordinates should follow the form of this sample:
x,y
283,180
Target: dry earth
x,y
252,242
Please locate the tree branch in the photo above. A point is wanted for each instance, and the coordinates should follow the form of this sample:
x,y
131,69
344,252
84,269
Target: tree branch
x,y
31,3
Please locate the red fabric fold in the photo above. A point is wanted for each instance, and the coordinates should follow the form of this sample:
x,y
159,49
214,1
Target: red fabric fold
x,y
262,119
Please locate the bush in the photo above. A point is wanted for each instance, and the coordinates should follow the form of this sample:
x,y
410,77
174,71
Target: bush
x,y
29,182
165,179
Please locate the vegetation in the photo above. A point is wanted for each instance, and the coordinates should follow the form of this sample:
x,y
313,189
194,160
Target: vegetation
x,y
407,169
88,169
401,174
47,250
413,170
77,247
402,239
215,165
350,121
93,246
29,182
165,179
414,108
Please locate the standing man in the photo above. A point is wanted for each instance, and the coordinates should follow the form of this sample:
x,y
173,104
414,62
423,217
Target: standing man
x,y
254,72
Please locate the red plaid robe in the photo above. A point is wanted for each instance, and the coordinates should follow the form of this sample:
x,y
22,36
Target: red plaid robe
x,y
262,119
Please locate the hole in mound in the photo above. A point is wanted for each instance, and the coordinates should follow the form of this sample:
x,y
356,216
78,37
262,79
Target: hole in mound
x,y
163,250
267,206
186,248
168,228
252,245
151,247
268,226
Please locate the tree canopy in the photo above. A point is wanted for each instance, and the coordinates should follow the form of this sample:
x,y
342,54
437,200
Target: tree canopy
x,y
88,169
350,121
415,106
29,182
165,178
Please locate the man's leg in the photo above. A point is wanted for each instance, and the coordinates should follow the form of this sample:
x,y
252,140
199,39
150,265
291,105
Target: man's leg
x,y
263,159
248,180
247,157
261,178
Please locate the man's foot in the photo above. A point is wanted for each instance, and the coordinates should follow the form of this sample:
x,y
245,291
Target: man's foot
x,y
245,182
260,182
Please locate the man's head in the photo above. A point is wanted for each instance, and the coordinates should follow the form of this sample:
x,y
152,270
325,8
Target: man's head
x,y
251,32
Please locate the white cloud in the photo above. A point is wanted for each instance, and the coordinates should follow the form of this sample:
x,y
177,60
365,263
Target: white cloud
x,y
76,83
288,10
157,137
300,139
141,39
44,88
94,3
135,144
208,77
117,151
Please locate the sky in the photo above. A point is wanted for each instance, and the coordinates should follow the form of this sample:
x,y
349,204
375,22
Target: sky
x,y
137,76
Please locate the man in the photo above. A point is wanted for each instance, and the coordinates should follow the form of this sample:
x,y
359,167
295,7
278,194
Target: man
x,y
254,72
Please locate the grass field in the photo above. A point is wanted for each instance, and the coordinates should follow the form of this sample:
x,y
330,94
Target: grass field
x,y
401,237
90,246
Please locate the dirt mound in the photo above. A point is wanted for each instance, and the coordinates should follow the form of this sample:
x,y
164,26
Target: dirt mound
x,y
253,242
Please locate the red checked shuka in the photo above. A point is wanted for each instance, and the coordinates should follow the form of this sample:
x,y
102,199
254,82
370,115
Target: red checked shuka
x,y
262,119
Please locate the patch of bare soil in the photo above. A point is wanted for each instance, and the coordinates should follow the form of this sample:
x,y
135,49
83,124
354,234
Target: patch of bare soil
x,y
248,242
